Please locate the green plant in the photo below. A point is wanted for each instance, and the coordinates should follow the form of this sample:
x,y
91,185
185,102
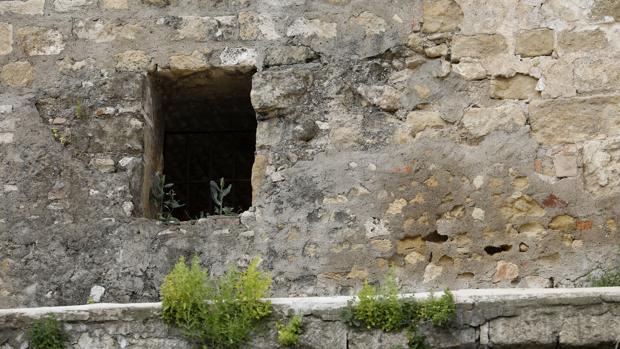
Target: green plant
x,y
79,112
439,311
288,335
164,197
47,333
218,193
379,307
62,138
218,313
416,340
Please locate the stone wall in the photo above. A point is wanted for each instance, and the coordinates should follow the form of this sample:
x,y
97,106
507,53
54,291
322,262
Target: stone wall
x,y
467,143
514,318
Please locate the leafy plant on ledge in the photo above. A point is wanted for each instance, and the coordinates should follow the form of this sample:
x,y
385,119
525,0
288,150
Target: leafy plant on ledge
x,y
164,196
288,335
47,333
215,312
218,193
379,307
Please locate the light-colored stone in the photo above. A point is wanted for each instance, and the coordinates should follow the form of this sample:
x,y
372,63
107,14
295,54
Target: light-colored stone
x,y
132,60
382,246
38,41
6,137
414,258
478,46
115,4
601,165
6,38
306,28
257,26
480,122
597,74
71,5
238,56
383,96
478,214
606,8
196,28
17,74
470,71
441,16
573,120
276,90
563,223
96,292
284,55
103,165
194,62
28,7
396,207
565,165
372,24
517,87
535,42
436,51
101,31
505,271
584,40
432,272
420,120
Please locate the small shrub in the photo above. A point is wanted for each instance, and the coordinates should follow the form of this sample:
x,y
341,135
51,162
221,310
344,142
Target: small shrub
x,y
288,335
440,312
379,307
47,333
220,312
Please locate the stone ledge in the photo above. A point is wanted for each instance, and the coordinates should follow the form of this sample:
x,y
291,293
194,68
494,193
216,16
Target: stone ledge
x,y
498,318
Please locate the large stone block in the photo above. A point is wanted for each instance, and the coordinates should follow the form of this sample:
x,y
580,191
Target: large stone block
x,y
517,87
132,60
28,7
276,90
601,162
257,26
312,28
17,74
441,16
482,121
597,74
535,42
71,5
38,41
478,46
606,8
6,38
571,120
584,40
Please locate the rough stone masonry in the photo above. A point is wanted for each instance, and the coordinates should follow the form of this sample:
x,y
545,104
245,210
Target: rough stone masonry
x,y
466,143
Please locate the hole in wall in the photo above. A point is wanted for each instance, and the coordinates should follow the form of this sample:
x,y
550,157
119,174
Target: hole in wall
x,y
436,238
491,250
200,127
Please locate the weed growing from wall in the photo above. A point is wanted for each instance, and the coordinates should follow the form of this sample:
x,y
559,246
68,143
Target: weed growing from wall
x,y
288,335
218,193
379,307
47,333
216,312
164,196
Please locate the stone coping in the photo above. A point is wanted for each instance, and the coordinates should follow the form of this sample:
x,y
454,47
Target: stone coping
x,y
505,296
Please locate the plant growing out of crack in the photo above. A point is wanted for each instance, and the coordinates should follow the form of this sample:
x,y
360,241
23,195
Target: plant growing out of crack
x,y
164,196
218,193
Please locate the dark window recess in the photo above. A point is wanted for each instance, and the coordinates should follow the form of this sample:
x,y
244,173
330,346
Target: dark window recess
x,y
210,133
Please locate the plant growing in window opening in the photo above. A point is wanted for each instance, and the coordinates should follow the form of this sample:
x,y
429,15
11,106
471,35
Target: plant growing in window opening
x,y
218,193
164,197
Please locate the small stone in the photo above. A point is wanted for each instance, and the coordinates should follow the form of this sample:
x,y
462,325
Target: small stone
x,y
432,272
277,177
478,182
59,121
357,273
565,165
17,74
257,26
416,42
132,60
6,38
537,282
115,4
8,188
436,51
478,46
37,41
444,69
239,56
312,28
397,206
96,292
470,71
6,137
535,42
563,223
372,24
414,258
382,246
505,271
478,214
385,97
420,120
519,86
375,228
71,5
127,208
441,16
5,108
285,55
103,165
523,247
194,62
415,61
